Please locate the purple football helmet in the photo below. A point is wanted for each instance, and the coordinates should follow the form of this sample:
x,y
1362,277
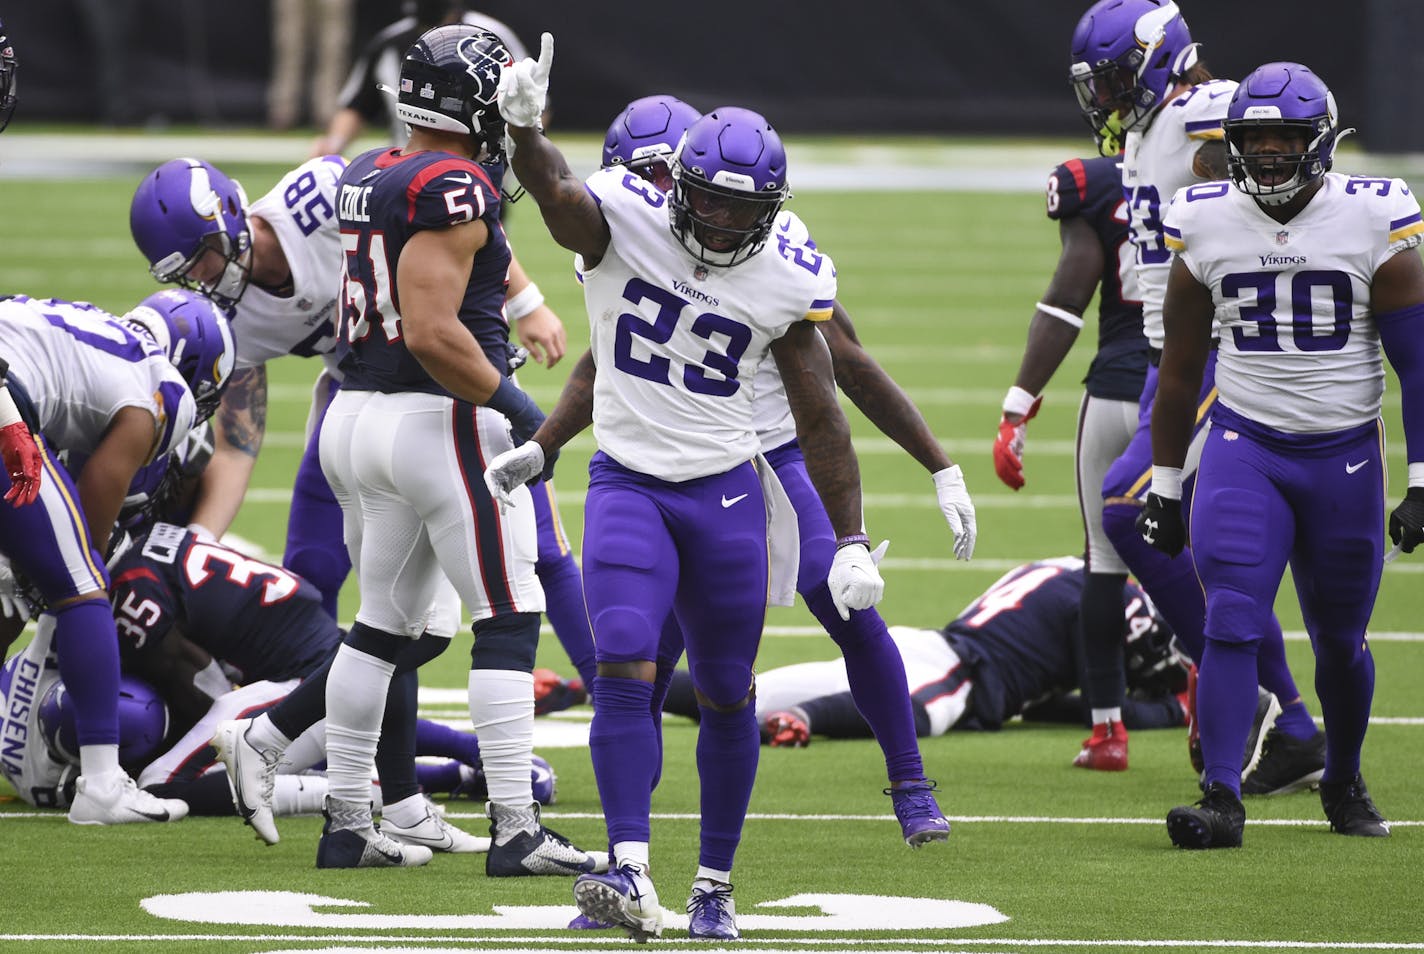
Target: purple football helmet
x,y
185,209
729,181
448,81
197,338
1289,98
1126,56
644,136
9,69
143,722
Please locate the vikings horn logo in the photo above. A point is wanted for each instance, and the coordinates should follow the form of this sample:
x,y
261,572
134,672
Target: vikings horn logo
x,y
484,56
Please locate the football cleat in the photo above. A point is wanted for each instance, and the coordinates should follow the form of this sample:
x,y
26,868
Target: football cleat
x,y
1351,810
251,774
364,846
920,819
1194,751
582,922
1286,765
1267,708
532,849
713,913
554,693
787,729
1216,821
1105,750
435,833
624,897
115,799
544,780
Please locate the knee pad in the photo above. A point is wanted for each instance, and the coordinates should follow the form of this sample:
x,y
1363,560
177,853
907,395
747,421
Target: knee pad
x,y
507,641
1234,617
375,642
723,686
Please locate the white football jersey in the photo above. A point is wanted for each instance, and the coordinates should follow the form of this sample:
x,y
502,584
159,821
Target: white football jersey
x,y
1156,162
677,343
80,366
1299,350
25,759
771,412
301,209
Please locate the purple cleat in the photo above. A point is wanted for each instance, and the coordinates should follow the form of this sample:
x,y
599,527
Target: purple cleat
x,y
921,821
713,912
624,897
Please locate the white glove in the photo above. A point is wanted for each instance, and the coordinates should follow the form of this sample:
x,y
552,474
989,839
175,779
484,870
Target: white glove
x,y
524,86
512,469
957,508
854,581
12,603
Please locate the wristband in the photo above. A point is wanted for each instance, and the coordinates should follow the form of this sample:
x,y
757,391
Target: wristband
x,y
1062,314
851,539
1167,482
524,303
1416,474
9,413
1018,401
513,403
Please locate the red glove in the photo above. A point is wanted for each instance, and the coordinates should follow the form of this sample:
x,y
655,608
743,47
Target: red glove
x,y
22,461
1008,447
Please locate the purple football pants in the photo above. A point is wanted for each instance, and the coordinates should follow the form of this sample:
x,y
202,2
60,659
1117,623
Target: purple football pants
x,y
1265,499
696,549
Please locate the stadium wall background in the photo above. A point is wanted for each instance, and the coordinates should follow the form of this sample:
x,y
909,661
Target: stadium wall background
x,y
845,66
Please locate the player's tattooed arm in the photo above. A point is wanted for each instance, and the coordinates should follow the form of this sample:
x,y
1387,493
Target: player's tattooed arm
x,y
573,217
238,428
1210,160
574,412
877,395
821,427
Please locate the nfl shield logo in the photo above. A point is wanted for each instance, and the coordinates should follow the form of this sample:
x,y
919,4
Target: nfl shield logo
x,y
700,272
1282,237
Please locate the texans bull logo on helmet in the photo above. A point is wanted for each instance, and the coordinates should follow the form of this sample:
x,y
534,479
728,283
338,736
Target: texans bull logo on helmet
x,y
483,67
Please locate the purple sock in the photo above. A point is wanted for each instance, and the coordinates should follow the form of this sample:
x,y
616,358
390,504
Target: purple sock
x,y
1295,721
877,681
623,744
1226,704
438,778
432,738
88,650
728,745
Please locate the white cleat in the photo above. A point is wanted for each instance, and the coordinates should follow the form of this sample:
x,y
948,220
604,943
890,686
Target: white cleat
x,y
116,799
437,834
251,774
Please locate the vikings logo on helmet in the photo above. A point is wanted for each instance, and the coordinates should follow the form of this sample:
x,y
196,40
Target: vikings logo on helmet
x,y
483,68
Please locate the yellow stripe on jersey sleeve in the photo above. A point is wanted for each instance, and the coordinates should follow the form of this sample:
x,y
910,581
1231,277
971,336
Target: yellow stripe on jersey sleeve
x,y
819,314
1413,228
1172,242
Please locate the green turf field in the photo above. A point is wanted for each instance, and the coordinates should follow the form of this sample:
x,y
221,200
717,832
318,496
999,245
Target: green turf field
x,y
1042,856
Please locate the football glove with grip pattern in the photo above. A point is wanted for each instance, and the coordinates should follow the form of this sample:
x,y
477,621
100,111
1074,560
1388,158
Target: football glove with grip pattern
x,y
1160,524
1009,445
524,87
1406,522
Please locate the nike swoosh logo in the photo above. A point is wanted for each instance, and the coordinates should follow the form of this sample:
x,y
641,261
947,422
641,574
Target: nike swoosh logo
x,y
1217,95
727,503
394,857
467,180
1351,468
151,816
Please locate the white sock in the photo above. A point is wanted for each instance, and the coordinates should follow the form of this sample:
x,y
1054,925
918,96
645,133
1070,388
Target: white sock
x,y
305,750
502,710
98,760
266,737
712,874
298,794
631,853
355,701
1107,715
407,813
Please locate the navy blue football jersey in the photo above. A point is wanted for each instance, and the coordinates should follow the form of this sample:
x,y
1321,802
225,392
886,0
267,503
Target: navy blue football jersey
x,y
263,621
1091,189
385,197
1018,637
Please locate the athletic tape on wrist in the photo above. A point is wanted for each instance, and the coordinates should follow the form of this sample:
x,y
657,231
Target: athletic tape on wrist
x,y
524,303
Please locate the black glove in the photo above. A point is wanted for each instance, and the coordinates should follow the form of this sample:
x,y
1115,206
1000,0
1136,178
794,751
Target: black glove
x,y
1406,523
1160,524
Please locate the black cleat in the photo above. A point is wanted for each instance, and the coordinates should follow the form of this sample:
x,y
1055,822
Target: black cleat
x,y
1214,822
1351,810
1287,764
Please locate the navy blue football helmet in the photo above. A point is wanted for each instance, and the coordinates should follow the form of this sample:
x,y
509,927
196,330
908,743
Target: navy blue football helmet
x,y
1286,97
143,722
729,181
449,80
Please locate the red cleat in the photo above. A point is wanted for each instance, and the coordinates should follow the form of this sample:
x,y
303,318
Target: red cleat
x,y
786,730
1194,750
554,693
1106,749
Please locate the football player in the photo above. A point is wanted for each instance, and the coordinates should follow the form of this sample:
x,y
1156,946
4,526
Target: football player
x,y
677,509
9,82
119,394
425,402
18,449
1309,273
1011,652
1142,89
